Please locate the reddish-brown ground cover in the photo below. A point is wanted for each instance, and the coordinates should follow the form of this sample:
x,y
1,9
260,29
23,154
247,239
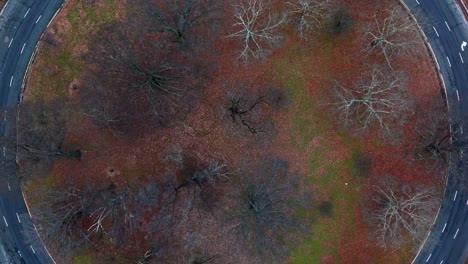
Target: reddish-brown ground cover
x,y
306,135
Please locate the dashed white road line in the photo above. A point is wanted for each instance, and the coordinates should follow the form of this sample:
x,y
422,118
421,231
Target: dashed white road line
x,y
417,2
456,233
437,33
9,188
455,196
26,13
461,130
447,26
34,252
22,49
450,64
11,80
461,58
38,19
442,261
17,216
443,229
4,219
458,95
4,116
430,255
9,45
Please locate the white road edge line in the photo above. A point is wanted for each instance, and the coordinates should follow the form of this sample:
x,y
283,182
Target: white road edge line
x,y
4,8
22,49
443,229
9,45
437,33
4,219
430,255
26,13
38,18
447,26
11,80
456,233
458,95
461,58
450,64
455,196
17,216
34,252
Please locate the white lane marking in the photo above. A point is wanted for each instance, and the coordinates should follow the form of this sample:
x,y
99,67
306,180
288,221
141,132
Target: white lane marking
x,y
458,95
430,255
17,216
417,2
456,233
463,45
455,196
11,80
4,8
26,13
443,229
34,252
4,116
9,188
461,58
450,64
466,202
9,45
4,219
437,33
442,261
4,151
22,49
38,18
447,26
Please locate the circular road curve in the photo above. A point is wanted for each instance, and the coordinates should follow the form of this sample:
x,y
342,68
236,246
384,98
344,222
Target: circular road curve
x,y
22,22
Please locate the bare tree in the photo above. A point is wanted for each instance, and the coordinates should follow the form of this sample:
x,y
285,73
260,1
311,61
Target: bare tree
x,y
378,98
398,211
191,183
150,79
440,136
181,18
264,217
395,34
240,113
257,27
308,14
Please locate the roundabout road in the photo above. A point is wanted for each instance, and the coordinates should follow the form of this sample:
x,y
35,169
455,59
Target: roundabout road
x,y
23,21
447,30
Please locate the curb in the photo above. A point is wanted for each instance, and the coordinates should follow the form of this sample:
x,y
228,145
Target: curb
x,y
442,83
22,89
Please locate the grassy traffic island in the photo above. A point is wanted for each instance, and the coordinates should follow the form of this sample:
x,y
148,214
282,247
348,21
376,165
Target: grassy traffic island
x,y
245,131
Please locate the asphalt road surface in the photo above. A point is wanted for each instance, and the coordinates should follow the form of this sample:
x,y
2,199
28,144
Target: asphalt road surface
x,y
446,30
21,24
